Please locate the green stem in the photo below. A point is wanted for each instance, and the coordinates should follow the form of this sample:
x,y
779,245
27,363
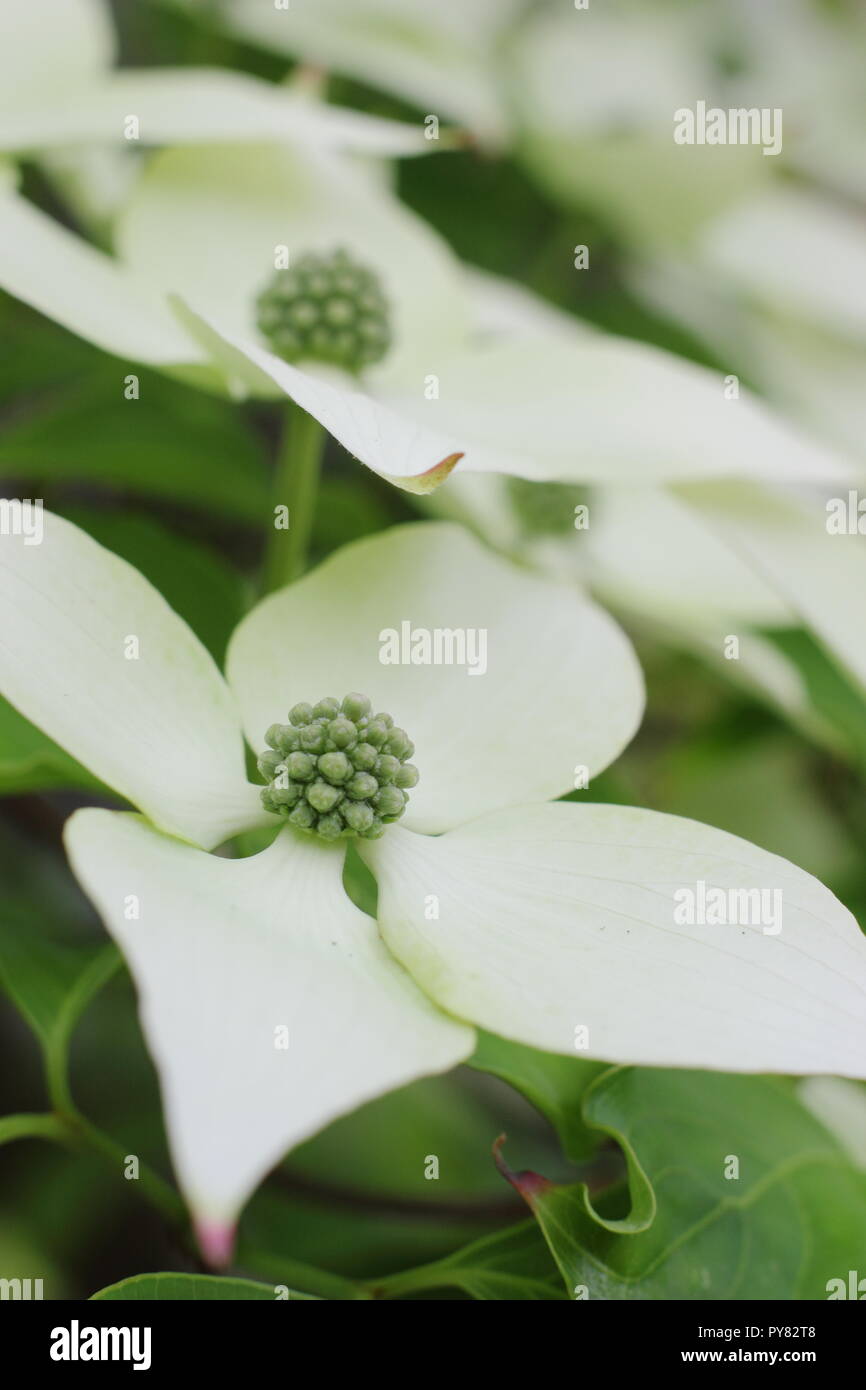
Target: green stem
x,y
296,483
155,1189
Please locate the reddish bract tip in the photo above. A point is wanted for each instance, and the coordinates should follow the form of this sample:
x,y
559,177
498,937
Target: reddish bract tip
x,y
216,1243
430,479
530,1185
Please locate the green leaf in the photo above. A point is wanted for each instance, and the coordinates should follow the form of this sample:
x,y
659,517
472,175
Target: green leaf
x,y
200,1288
836,699
50,981
173,443
513,1264
31,761
792,1218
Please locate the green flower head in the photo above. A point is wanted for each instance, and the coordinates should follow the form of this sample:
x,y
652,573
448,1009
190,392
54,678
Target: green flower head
x,y
326,308
336,770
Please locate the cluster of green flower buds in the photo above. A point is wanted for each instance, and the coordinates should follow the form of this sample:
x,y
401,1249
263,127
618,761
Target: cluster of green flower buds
x,y
326,308
337,770
545,509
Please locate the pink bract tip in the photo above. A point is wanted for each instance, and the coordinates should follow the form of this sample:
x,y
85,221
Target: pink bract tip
x,y
216,1242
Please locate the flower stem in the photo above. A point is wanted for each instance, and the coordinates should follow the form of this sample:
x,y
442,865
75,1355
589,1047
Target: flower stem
x,y
296,483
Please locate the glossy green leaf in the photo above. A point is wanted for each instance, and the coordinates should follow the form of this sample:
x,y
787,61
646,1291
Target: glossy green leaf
x,y
737,1192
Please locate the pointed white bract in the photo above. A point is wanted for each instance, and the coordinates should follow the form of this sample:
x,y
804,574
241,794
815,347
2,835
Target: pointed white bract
x,y
164,105
441,57
58,88
94,656
567,927
268,1001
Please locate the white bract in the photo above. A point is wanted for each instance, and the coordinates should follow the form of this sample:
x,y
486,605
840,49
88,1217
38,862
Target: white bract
x,y
440,57
59,89
552,924
777,286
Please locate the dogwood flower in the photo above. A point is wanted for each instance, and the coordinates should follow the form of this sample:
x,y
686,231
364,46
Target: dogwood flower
x,y
270,1002
208,231
59,89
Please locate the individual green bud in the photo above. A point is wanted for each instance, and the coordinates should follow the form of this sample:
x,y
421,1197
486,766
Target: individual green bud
x,y
390,803
287,739
272,736
326,709
267,763
361,786
376,732
399,744
384,719
312,738
303,816
301,767
386,768
407,776
342,732
356,707
335,767
330,827
375,830
363,757
323,797
358,816
286,795
300,714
